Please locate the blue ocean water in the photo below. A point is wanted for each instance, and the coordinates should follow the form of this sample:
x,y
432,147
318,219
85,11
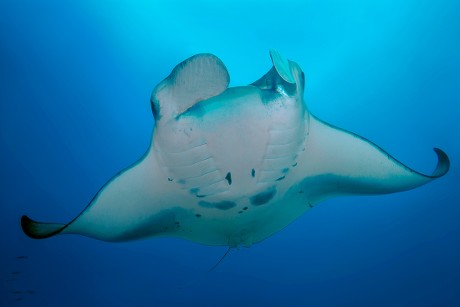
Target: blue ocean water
x,y
75,83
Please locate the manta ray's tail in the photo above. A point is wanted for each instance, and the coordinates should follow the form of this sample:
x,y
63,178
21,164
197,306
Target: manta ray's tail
x,y
37,230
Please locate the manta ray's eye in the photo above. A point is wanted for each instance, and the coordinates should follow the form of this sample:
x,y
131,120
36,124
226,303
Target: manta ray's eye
x,y
302,79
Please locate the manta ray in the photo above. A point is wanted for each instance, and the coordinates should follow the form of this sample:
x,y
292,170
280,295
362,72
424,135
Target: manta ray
x,y
231,166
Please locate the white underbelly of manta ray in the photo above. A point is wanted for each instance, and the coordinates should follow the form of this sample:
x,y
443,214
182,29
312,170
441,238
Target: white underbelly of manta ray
x,y
232,166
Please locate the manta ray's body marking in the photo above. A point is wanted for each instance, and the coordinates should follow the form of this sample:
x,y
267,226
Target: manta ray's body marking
x,y
232,166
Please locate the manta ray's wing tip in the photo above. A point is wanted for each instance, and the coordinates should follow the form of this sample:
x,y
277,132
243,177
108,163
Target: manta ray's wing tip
x,y
443,163
37,230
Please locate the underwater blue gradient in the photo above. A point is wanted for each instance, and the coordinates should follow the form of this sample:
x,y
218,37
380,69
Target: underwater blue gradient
x,y
75,83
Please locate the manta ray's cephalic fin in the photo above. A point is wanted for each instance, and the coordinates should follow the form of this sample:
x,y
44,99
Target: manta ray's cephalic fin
x,y
198,78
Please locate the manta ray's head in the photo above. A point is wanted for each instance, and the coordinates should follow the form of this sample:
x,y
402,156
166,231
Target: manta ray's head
x,y
204,76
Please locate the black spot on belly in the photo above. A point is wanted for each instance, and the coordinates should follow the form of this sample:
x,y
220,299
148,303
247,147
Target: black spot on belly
x,y
229,178
263,197
196,191
223,205
253,173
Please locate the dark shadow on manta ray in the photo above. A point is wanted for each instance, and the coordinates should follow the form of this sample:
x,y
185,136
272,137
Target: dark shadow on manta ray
x,y
232,166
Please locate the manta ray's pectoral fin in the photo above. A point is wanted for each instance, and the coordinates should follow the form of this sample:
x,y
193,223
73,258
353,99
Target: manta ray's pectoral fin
x,y
134,204
337,162
200,77
37,230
